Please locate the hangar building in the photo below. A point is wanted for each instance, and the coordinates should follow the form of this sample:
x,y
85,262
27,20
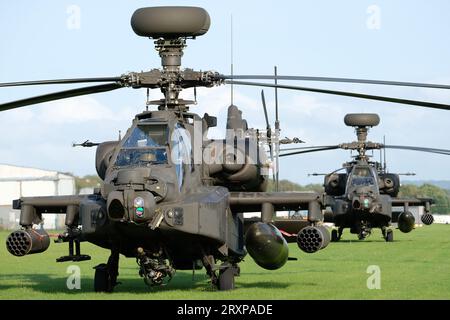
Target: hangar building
x,y
16,182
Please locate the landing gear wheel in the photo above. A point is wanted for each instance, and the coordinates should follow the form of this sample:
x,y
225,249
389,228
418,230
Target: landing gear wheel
x,y
103,281
389,236
226,278
334,236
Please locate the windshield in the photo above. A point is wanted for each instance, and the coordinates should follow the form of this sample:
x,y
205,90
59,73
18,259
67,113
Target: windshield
x,y
362,176
146,145
147,136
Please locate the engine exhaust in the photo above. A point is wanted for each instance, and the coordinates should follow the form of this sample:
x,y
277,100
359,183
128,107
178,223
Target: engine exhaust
x,y
312,239
23,242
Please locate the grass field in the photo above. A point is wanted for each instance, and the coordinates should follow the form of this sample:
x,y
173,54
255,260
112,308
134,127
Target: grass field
x,y
415,266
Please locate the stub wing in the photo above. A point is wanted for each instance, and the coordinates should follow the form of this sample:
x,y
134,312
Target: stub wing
x,y
416,202
32,208
281,201
289,228
405,203
269,202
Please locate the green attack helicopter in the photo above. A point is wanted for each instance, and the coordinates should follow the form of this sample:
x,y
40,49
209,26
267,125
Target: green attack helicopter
x,y
364,196
171,198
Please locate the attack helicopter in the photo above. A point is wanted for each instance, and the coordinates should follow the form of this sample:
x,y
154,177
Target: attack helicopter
x,y
363,197
171,198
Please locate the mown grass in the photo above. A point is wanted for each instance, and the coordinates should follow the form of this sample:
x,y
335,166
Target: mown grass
x,y
414,266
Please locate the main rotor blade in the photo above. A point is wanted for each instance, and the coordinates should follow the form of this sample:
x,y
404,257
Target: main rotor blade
x,y
346,94
60,81
330,79
59,95
308,151
421,149
304,148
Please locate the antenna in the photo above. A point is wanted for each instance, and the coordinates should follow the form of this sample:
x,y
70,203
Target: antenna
x,y
277,132
232,60
381,161
276,94
384,152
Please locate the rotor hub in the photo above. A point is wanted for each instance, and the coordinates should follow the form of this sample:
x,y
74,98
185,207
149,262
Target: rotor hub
x,y
170,27
361,133
170,52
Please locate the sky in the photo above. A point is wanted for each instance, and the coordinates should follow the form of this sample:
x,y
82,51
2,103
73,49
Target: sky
x,y
383,40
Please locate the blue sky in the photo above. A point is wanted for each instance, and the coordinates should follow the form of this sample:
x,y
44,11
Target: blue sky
x,y
316,38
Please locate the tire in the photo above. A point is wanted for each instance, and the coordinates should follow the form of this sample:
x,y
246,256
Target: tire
x,y
226,279
362,120
334,236
389,236
102,279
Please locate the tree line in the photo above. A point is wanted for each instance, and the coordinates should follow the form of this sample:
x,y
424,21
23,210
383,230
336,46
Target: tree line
x,y
441,196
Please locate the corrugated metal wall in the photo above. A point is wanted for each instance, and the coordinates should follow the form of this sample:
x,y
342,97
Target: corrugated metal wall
x,y
16,182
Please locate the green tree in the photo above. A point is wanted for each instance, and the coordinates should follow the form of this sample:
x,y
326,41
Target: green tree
x,y
286,185
441,196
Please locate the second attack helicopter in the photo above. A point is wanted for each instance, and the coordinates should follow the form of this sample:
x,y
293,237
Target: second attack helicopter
x,y
363,197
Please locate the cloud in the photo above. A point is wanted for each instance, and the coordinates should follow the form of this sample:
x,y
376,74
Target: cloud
x,y
78,110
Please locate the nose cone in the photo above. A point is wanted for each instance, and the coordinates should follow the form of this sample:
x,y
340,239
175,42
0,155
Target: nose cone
x,y
143,207
129,205
361,203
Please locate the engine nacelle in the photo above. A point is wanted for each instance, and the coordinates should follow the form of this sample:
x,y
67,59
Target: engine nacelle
x,y
334,184
389,184
103,156
239,165
266,245
406,221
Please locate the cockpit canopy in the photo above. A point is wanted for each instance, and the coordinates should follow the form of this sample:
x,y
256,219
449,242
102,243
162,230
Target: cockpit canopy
x,y
147,144
155,143
361,176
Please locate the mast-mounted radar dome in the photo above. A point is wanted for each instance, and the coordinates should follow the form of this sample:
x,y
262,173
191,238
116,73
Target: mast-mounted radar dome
x,y
362,122
362,119
170,22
